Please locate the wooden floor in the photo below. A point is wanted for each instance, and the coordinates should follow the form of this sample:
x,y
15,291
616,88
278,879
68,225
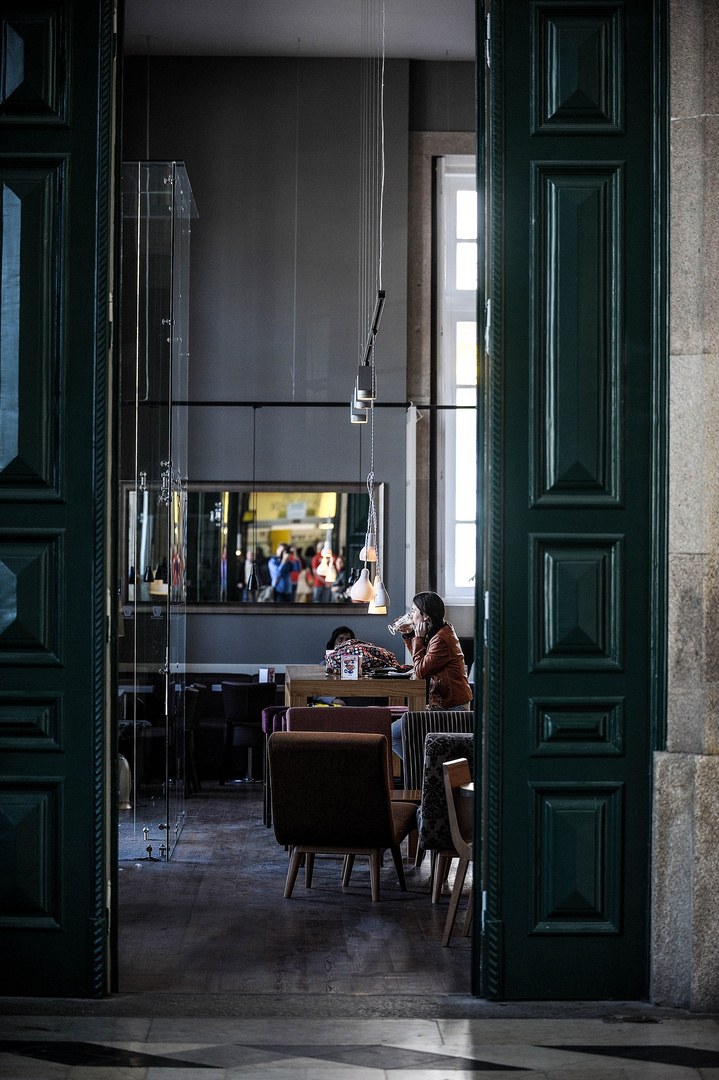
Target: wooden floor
x,y
214,920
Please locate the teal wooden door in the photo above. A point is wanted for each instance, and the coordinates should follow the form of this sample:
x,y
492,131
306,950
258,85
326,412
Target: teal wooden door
x,y
56,107
575,524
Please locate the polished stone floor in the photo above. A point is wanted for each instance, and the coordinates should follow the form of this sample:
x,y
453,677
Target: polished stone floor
x,y
222,978
229,928
214,918
52,1047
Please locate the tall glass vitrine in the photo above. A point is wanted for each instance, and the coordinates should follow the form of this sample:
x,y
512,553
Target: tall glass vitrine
x,y
158,207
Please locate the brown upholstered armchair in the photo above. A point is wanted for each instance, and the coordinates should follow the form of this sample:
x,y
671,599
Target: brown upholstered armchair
x,y
331,795
371,719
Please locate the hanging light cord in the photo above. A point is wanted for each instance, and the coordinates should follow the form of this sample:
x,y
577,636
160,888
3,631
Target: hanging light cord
x,y
379,112
380,225
147,100
294,257
254,492
371,537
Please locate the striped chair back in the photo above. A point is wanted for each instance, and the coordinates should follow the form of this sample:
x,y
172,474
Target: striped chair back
x,y
415,728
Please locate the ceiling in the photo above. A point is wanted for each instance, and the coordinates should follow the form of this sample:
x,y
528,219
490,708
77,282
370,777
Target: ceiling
x,y
416,29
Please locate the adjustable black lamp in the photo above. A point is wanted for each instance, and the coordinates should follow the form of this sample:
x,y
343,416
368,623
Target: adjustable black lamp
x,y
253,582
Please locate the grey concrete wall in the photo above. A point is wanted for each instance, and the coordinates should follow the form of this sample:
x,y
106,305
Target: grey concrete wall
x,y
685,967
234,122
441,96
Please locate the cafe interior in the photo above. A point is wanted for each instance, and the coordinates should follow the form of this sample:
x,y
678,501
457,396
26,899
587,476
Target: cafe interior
x,y
298,376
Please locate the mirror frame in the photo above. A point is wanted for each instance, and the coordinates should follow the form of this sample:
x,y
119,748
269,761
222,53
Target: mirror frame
x,y
242,607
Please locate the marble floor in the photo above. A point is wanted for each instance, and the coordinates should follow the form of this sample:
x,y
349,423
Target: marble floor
x,y
221,978
612,1047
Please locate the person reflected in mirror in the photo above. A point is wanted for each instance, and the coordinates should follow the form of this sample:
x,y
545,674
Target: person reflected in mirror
x,y
323,592
295,568
338,587
280,565
437,654
305,586
256,558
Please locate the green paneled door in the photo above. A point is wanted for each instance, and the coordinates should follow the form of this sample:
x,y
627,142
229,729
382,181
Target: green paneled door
x,y
56,103
575,525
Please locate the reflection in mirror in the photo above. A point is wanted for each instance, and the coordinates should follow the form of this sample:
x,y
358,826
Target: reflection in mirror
x,y
305,541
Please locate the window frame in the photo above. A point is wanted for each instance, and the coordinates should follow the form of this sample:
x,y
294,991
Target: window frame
x,y
453,305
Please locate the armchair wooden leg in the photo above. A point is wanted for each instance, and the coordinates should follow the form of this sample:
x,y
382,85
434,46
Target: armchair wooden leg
x,y
295,859
347,864
468,914
309,867
432,867
454,901
397,856
374,864
440,875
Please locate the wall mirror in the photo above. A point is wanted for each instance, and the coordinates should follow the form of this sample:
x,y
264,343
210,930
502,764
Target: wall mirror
x,y
228,526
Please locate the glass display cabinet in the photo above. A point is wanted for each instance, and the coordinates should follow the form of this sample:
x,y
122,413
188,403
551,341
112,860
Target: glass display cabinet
x,y
157,210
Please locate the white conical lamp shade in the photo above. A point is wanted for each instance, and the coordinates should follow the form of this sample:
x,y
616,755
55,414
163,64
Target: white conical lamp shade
x,y
331,574
369,552
378,606
362,591
381,596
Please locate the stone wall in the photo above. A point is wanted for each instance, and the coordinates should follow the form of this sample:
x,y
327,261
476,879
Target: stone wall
x,y
685,938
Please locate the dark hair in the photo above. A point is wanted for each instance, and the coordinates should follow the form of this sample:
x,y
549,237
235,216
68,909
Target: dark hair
x,y
431,605
339,631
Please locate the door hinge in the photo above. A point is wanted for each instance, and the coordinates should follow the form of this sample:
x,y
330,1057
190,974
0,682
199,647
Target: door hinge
x,y
486,618
484,910
488,41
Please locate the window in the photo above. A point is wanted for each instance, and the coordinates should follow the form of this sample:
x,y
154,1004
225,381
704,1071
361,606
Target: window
x,y
457,375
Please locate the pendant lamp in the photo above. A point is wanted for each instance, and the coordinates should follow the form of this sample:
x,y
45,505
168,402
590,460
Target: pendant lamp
x,y
362,591
371,287
380,601
381,596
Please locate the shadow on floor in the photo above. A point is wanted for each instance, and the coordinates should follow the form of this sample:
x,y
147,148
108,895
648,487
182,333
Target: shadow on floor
x,y
214,920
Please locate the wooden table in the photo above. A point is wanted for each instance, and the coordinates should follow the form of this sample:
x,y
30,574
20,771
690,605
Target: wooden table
x,y
303,681
406,795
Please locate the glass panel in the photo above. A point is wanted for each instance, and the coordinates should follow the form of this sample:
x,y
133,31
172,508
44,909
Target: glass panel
x,y
467,215
465,500
466,353
467,266
157,207
465,555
